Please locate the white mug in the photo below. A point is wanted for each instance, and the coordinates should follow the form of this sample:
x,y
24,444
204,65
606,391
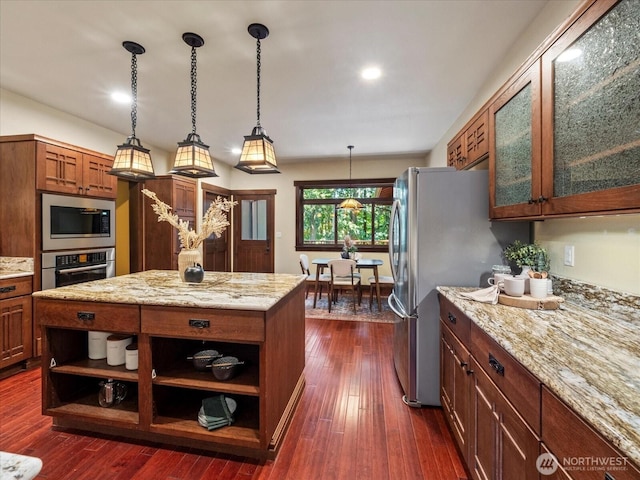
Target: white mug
x,y
498,279
514,286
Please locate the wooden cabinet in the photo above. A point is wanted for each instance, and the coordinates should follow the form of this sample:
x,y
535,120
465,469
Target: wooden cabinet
x,y
456,381
590,458
15,320
155,245
562,137
166,392
504,447
471,145
590,113
65,170
489,405
515,145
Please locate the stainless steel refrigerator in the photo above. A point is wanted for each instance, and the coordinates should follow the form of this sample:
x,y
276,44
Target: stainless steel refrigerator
x,y
440,234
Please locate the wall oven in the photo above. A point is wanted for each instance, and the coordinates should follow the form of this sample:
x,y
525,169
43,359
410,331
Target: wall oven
x,y
60,269
77,222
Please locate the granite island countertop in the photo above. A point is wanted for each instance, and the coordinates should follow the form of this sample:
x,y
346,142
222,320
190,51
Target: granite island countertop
x,y
238,291
590,360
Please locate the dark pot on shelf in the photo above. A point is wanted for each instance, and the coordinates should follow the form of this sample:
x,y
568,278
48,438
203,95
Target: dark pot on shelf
x,y
194,274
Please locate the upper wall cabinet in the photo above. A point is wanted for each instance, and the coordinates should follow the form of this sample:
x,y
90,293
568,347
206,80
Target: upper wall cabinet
x,y
65,170
471,145
514,143
591,112
564,132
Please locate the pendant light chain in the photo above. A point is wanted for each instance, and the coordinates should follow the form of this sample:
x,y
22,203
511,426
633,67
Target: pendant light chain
x,y
194,85
258,82
134,93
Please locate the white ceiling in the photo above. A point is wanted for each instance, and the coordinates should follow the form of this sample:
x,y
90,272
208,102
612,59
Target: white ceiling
x,y
435,54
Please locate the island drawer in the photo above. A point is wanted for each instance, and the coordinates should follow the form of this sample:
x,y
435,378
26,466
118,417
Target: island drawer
x,y
15,287
519,385
205,324
108,317
561,427
453,318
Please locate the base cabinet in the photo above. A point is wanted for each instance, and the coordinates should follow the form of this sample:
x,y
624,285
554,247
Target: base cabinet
x,y
15,320
165,393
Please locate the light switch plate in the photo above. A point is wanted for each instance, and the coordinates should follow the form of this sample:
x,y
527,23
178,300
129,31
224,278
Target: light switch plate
x,y
569,255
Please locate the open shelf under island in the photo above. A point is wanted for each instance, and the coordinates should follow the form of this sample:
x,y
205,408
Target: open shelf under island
x,y
255,317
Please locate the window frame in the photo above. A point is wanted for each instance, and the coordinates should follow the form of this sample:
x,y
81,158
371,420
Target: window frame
x,y
301,185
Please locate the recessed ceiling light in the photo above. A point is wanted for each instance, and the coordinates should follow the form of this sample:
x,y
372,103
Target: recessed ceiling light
x,y
569,55
120,97
371,73
236,151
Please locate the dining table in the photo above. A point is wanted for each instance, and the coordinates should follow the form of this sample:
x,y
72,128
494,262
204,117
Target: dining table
x,y
361,264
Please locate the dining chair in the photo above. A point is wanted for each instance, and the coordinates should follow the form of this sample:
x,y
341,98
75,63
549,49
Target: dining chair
x,y
383,281
343,277
323,279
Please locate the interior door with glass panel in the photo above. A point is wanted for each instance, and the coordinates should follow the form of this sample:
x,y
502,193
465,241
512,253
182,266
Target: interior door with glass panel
x,y
253,225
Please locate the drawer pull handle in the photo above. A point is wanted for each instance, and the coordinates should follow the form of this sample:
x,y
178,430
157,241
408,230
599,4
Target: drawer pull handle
x,y
195,323
496,365
8,289
608,476
85,316
470,372
452,317
463,364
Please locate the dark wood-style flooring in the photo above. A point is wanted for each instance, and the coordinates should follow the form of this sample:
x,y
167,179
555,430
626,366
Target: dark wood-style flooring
x,y
350,424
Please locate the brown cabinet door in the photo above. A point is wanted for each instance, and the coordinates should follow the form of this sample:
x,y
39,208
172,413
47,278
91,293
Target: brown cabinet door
x,y
15,330
96,180
455,153
477,139
515,148
503,446
590,116
58,169
184,197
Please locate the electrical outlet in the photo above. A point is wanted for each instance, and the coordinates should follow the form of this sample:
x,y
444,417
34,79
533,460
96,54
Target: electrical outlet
x,y
569,255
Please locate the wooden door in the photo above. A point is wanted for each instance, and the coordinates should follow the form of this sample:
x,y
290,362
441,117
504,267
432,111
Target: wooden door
x,y
253,228
216,251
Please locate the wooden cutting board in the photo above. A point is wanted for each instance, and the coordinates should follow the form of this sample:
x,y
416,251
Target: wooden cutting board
x,y
526,301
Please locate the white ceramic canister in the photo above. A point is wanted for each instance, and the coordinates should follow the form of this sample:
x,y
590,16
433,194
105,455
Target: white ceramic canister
x,y
131,357
116,345
97,345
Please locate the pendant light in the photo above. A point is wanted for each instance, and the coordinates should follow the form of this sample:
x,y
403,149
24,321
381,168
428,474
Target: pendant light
x,y
132,161
350,203
192,157
258,155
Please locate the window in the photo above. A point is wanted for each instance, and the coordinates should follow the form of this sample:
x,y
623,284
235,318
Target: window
x,y
321,225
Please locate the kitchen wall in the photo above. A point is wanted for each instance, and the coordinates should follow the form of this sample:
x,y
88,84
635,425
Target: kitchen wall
x,y
607,248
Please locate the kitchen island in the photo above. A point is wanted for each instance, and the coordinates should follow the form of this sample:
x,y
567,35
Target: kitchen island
x,y
258,318
585,366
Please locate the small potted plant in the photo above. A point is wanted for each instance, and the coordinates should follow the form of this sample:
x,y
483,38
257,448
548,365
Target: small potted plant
x,y
530,255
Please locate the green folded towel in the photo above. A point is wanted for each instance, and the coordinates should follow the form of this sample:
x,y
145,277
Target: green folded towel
x,y
216,408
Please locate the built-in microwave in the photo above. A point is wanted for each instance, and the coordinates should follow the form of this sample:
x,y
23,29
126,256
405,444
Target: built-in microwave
x,y
77,222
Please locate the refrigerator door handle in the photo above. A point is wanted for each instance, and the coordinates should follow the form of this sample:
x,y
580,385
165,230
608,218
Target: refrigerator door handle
x,y
396,306
395,207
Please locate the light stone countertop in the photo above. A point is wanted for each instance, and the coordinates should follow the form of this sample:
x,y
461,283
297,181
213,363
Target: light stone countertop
x,y
13,267
590,360
238,291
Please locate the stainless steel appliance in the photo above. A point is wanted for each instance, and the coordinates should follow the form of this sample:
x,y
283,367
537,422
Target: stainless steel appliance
x,y
77,222
60,269
439,235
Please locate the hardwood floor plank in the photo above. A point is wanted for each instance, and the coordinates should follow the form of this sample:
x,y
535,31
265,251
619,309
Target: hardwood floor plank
x,y
350,424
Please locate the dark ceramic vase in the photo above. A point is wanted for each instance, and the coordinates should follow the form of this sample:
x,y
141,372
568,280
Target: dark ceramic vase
x,y
194,274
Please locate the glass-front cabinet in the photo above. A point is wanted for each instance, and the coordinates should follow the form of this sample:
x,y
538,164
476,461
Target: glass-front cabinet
x,y
591,112
565,135
514,145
